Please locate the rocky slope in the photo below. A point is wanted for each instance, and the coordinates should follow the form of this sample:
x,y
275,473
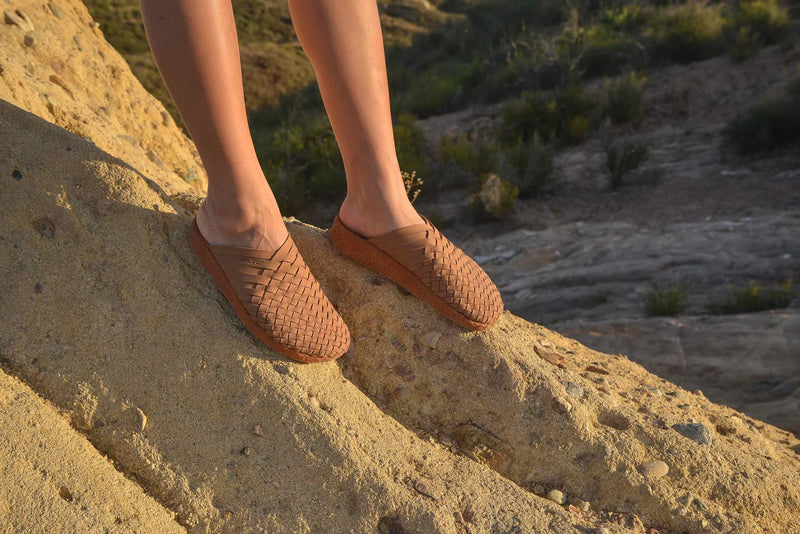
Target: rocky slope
x,y
55,63
581,259
421,427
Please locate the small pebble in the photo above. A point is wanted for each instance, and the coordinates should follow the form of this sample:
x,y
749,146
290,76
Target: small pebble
x,y
16,175
557,496
313,402
697,432
538,489
38,288
574,390
29,39
56,10
430,338
561,405
258,431
653,469
141,419
246,451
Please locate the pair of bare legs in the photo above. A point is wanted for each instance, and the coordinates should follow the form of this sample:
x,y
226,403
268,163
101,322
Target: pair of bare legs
x,y
195,46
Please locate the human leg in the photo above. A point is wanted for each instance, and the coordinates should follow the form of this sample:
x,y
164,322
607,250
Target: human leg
x,y
342,38
195,47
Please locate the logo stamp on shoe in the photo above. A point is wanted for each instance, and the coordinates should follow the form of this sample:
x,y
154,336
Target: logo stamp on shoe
x,y
250,260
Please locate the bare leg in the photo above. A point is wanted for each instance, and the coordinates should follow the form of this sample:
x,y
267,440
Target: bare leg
x,y
342,38
195,46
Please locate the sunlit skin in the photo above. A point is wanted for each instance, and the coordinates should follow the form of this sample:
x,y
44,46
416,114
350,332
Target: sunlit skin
x,y
195,46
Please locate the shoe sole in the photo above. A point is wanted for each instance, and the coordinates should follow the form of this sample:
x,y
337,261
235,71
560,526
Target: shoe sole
x,y
207,260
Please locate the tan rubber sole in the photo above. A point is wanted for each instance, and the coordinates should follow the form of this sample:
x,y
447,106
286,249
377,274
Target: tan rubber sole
x,y
207,260
358,249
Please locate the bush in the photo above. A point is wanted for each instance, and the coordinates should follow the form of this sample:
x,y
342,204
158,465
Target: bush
x,y
754,24
665,302
771,125
768,20
563,116
625,98
495,200
410,145
688,32
755,299
529,166
622,160
471,156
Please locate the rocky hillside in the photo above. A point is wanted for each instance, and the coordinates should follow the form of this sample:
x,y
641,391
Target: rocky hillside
x,y
114,343
55,63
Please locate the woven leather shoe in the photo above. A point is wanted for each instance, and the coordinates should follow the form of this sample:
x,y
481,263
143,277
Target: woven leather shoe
x,y
422,260
276,297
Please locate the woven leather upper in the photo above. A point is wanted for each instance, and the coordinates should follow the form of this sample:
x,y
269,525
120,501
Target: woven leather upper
x,y
445,269
283,297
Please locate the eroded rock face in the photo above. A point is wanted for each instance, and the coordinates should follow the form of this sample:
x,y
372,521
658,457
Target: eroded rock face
x,y
106,312
66,73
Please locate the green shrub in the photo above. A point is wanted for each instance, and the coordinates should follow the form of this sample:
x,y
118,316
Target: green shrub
x,y
410,144
495,200
529,166
300,157
620,160
474,157
745,45
665,302
770,125
625,98
768,20
687,32
563,116
754,299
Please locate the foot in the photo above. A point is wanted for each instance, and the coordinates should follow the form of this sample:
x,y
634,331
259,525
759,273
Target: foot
x,y
374,214
256,225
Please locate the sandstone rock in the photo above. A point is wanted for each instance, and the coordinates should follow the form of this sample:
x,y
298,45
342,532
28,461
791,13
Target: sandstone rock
x,y
653,469
557,496
97,77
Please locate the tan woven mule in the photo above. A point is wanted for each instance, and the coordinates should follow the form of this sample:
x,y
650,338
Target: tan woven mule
x,y
276,297
422,260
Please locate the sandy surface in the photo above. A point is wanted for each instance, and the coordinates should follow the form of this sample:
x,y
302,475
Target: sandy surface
x,y
421,426
53,480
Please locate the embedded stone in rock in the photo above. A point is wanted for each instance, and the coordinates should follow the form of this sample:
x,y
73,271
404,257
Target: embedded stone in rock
x,y
431,338
557,496
697,432
56,10
653,469
561,405
483,446
45,227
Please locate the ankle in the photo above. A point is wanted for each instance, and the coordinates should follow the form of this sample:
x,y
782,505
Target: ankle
x,y
378,211
254,224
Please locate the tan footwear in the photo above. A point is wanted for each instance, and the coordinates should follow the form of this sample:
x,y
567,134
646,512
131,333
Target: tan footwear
x,y
422,260
276,297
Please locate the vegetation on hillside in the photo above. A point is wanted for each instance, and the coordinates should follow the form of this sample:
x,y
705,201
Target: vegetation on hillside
x,y
448,55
